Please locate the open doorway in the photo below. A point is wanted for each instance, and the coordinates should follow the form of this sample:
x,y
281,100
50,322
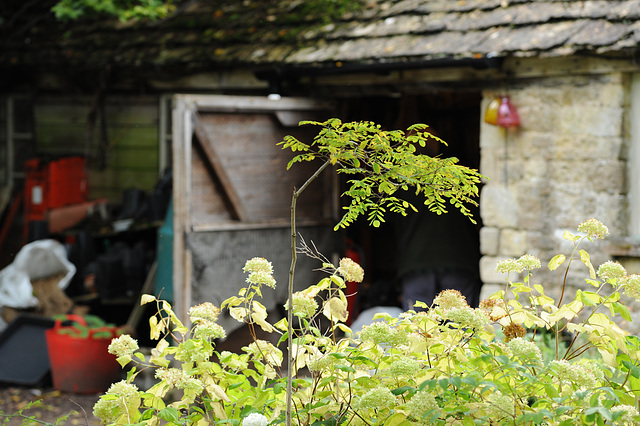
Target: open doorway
x,y
454,116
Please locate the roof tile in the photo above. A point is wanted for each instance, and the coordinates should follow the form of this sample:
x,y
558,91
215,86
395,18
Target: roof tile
x,y
229,33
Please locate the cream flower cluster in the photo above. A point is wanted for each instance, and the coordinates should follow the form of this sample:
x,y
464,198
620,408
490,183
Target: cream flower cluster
x,y
124,345
421,403
500,405
631,286
611,270
204,316
449,299
180,379
525,350
628,416
127,397
468,317
382,333
304,306
255,419
404,366
376,398
350,270
583,376
525,262
260,272
204,312
593,228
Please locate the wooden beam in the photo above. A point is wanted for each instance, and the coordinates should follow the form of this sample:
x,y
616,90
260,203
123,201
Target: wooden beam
x,y
182,135
202,137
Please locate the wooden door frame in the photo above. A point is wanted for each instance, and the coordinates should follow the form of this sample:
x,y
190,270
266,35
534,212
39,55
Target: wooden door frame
x,y
185,112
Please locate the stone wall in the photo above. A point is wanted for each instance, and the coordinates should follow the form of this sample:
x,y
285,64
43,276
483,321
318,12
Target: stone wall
x,y
563,165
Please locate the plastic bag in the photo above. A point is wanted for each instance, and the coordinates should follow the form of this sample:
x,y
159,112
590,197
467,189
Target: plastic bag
x,y
39,259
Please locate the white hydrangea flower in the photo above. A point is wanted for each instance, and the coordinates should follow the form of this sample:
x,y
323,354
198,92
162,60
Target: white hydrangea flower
x,y
123,345
593,228
255,419
631,285
350,270
526,350
611,270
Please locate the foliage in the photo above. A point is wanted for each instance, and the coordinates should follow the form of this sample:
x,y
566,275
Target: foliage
x,y
451,364
30,420
328,11
87,326
123,9
384,165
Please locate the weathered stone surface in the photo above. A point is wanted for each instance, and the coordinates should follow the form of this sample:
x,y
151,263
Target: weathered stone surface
x,y
489,240
513,242
498,207
488,273
565,164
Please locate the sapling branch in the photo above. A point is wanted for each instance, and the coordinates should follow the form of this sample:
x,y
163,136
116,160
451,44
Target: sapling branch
x,y
294,258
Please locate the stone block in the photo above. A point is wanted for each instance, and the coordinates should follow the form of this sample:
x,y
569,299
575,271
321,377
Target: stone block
x,y
489,240
489,289
488,273
498,206
490,163
513,243
595,121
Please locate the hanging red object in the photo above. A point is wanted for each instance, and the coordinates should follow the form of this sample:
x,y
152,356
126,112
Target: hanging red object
x,y
507,113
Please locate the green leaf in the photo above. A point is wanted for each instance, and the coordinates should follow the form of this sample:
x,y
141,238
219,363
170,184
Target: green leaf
x,y
401,390
621,309
551,390
346,368
329,422
147,414
455,381
589,298
169,414
592,411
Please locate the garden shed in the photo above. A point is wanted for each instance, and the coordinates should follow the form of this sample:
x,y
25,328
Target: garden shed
x,y
135,98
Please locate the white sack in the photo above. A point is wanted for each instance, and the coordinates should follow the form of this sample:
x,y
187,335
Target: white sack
x,y
39,259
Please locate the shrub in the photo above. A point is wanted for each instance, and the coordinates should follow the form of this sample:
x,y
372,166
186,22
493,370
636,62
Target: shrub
x,y
451,364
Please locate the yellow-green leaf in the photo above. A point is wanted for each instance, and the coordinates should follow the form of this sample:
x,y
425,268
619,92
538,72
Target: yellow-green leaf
x,y
584,257
395,419
570,237
282,324
147,298
336,309
556,261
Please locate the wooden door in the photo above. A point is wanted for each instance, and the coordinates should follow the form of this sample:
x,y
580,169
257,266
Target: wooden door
x,y
232,193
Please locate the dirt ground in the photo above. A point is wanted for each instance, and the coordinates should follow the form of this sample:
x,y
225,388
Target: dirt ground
x,y
52,404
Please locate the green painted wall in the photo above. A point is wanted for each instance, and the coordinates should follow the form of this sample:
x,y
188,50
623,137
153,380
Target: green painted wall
x,y
131,154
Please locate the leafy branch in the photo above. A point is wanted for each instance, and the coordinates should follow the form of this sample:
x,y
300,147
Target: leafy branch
x,y
381,164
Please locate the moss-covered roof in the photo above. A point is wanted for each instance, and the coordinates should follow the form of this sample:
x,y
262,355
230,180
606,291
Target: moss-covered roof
x,y
319,34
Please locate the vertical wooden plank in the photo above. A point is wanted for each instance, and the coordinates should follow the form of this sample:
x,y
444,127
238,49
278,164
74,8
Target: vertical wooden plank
x,y
182,134
215,163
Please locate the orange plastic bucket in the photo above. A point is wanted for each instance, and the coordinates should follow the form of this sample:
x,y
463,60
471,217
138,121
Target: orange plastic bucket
x,y
81,365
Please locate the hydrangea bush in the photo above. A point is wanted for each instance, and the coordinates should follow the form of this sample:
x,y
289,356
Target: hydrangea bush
x,y
448,365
